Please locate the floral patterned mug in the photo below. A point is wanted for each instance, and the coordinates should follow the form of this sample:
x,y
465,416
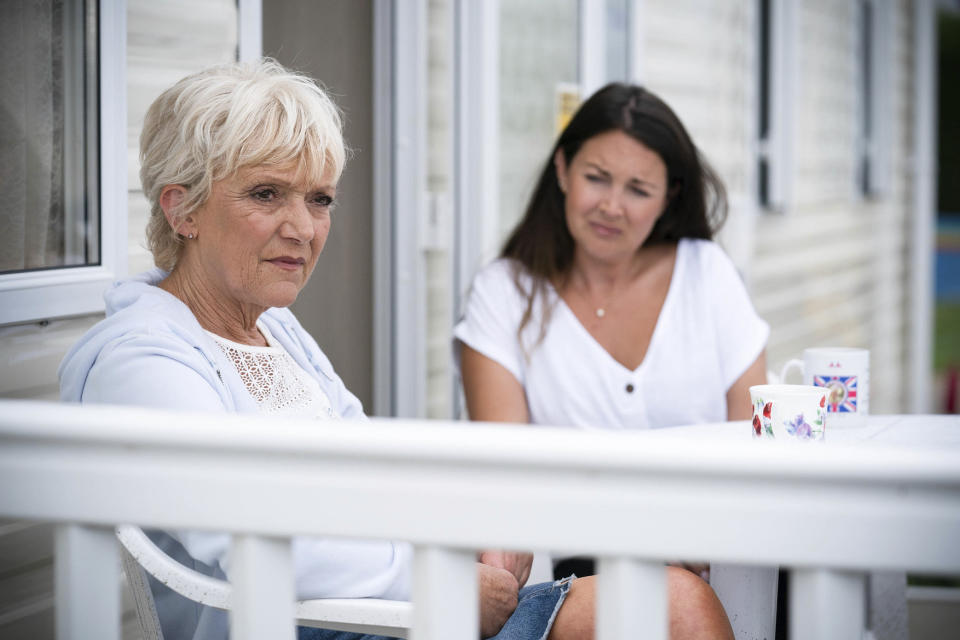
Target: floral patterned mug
x,y
789,411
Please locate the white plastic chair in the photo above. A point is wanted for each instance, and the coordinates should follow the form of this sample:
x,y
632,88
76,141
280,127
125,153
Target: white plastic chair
x,y
748,594
142,556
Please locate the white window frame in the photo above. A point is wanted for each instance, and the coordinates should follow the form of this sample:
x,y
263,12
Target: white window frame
x,y
249,30
400,198
635,42
778,147
924,215
32,296
476,125
592,46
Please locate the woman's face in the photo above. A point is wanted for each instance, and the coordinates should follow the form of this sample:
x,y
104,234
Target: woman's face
x,y
260,232
616,189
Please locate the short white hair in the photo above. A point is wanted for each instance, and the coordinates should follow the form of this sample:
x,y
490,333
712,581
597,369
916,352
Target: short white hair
x,y
218,121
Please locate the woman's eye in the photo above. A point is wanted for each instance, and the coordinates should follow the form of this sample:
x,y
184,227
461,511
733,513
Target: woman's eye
x,y
592,177
264,195
639,192
323,200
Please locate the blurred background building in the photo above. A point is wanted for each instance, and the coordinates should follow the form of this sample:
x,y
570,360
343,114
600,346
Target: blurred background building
x,y
835,125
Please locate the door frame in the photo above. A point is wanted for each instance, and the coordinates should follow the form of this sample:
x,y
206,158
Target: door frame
x,y
926,46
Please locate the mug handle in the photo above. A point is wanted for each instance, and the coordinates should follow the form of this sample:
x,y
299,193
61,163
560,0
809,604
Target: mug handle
x,y
790,365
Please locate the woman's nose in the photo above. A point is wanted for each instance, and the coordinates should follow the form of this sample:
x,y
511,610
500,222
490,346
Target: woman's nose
x,y
299,223
612,204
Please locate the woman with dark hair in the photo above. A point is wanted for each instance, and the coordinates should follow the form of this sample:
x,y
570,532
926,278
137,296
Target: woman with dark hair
x,y
610,307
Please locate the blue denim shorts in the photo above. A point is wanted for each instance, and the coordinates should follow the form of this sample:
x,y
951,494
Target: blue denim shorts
x,y
533,618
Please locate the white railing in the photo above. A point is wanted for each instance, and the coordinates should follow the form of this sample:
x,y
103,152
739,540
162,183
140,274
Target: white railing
x,y
828,512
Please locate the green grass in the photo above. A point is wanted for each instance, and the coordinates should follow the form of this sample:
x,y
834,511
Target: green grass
x,y
946,336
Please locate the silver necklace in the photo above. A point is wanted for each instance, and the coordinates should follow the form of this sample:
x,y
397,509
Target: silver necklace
x,y
601,310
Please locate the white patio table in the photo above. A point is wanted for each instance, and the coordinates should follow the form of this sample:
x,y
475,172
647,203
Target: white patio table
x,y
749,593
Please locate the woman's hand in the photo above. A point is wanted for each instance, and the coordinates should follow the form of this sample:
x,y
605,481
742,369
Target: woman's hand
x,y
498,598
517,563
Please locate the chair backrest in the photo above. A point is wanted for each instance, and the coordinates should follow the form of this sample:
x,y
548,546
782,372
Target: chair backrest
x,y
142,597
358,615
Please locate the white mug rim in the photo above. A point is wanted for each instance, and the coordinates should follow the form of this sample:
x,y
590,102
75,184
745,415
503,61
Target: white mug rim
x,y
792,390
824,350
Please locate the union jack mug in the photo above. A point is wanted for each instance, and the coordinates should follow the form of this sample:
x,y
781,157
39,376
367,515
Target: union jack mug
x,y
845,372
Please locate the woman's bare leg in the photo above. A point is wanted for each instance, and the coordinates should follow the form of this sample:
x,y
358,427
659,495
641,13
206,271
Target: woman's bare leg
x,y
695,611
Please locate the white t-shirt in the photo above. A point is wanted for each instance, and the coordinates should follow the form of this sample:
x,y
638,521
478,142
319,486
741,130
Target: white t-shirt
x,y
706,336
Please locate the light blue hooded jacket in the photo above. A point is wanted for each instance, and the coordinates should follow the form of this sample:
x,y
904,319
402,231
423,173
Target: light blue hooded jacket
x,y
151,351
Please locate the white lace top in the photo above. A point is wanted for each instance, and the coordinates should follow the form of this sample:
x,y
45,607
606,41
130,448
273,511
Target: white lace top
x,y
277,383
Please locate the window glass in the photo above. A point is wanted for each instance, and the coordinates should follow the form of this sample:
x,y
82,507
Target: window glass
x,y
764,59
538,74
618,50
49,216
866,95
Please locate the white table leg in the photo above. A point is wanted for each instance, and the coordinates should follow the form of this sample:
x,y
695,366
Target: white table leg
x,y
827,605
445,597
261,572
87,582
631,599
749,596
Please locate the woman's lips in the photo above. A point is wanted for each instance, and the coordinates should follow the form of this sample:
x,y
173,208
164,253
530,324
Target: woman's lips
x,y
604,231
287,263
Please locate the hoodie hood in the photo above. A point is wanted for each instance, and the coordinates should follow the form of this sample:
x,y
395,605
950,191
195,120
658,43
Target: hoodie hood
x,y
124,293
144,320
134,307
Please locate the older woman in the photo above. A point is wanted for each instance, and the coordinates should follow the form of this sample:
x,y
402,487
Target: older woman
x,y
240,164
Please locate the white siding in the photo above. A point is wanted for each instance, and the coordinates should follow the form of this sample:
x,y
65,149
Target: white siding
x,y
830,269
698,57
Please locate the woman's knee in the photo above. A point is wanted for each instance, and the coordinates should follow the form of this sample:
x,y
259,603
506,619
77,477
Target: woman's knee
x,y
695,610
575,620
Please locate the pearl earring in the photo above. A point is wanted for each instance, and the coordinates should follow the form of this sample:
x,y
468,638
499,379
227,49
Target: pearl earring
x,y
190,237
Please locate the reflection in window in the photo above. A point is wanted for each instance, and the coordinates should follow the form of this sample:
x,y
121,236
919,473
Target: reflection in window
x,y
866,96
538,64
48,160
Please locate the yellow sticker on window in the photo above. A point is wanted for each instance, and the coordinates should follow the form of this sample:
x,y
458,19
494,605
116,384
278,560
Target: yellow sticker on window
x,y
567,103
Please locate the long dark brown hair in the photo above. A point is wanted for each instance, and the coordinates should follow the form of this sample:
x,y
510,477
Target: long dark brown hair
x,y
541,244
